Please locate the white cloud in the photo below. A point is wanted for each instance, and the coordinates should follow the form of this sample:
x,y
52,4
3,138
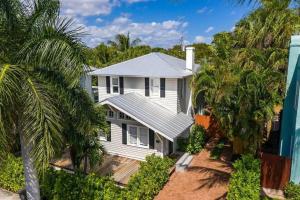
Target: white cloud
x,y
209,29
200,39
163,34
88,7
232,29
204,10
92,7
232,12
99,20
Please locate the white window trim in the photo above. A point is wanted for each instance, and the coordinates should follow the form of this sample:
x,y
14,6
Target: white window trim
x,y
138,137
150,87
112,85
109,117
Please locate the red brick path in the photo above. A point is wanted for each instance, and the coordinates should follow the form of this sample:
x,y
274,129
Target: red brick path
x,y
205,179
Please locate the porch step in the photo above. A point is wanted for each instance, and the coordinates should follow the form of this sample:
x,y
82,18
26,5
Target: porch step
x,y
183,162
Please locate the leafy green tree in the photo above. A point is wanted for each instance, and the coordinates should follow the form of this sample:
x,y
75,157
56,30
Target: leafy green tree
x,y
35,42
123,42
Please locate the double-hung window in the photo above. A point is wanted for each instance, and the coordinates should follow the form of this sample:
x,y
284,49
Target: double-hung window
x,y
115,84
138,136
154,86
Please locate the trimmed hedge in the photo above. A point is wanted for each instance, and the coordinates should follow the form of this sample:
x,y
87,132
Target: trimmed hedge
x,y
197,139
292,191
244,183
150,179
11,173
60,185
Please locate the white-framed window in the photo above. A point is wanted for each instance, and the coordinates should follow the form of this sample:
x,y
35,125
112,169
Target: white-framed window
x,y
121,115
110,114
115,84
154,86
138,136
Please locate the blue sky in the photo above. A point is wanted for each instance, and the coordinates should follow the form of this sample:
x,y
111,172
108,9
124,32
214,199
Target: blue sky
x,y
156,22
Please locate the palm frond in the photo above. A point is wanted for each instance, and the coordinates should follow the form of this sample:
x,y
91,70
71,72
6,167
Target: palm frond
x,y
41,123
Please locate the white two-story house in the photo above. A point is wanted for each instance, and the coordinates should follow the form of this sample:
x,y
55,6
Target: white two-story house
x,y
149,103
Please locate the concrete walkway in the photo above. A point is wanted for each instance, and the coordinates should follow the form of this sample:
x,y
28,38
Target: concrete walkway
x,y
6,195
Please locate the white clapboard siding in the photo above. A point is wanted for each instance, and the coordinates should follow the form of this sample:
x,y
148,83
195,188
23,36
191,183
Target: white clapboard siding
x,y
115,146
137,84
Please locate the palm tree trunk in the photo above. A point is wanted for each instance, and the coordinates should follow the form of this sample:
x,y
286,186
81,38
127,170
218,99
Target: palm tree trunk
x,y
31,177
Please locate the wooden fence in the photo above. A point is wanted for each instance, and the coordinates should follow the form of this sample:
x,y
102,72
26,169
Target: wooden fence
x,y
275,171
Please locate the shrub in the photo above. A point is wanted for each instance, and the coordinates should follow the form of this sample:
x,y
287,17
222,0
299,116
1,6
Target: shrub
x,y
218,149
60,185
197,139
244,183
182,144
292,191
11,173
150,179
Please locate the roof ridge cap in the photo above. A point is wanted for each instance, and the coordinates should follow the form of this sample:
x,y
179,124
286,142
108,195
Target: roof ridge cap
x,y
169,64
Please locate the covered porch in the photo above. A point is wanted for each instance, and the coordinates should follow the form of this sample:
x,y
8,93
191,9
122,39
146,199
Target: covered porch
x,y
119,168
141,127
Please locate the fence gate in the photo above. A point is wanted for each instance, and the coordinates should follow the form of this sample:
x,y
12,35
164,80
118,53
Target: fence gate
x,y
275,171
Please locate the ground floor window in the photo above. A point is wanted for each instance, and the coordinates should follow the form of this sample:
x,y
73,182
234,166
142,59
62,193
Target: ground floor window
x,y
138,136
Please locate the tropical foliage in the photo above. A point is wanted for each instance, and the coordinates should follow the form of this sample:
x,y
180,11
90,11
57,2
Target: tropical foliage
x,y
245,181
152,175
196,140
244,79
41,62
292,191
150,179
11,173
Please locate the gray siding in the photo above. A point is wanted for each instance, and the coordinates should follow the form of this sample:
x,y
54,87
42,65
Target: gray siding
x,y
116,147
137,85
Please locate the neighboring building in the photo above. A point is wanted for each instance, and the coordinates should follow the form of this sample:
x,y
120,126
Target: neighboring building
x,y
149,101
290,129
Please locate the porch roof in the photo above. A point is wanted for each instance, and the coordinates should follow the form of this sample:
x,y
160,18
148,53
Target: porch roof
x,y
160,119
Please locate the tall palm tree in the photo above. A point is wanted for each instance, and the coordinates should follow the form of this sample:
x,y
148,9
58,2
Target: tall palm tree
x,y
35,42
123,42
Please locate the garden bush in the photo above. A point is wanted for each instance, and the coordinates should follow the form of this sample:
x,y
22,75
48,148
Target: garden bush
x,y
218,149
244,183
60,185
11,173
150,179
182,144
292,191
197,139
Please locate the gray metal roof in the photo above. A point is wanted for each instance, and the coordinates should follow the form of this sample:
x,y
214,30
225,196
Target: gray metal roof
x,y
150,65
150,114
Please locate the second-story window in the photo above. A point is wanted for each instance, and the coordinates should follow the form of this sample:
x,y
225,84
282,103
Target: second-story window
x,y
154,86
115,84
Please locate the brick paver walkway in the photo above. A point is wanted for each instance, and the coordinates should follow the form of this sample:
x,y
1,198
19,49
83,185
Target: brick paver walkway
x,y
205,179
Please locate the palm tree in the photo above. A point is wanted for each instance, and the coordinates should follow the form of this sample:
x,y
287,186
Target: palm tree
x,y
35,42
123,42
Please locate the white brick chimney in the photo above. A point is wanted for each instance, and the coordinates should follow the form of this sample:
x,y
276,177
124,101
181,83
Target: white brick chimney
x,y
190,58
